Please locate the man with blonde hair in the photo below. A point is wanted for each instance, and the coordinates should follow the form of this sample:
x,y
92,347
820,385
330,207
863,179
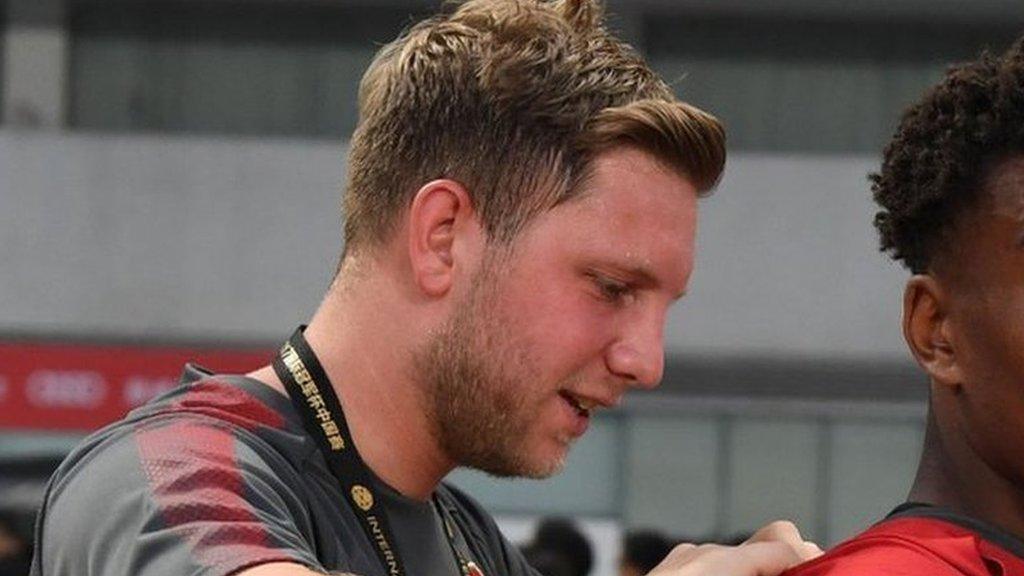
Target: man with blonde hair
x,y
520,213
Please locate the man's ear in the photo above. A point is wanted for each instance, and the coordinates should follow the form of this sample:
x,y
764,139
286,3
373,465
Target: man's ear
x,y
443,233
927,329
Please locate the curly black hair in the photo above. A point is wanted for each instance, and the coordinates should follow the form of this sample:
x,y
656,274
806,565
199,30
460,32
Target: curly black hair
x,y
943,151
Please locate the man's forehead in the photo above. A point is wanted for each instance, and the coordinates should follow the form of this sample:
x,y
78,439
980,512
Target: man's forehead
x,y
1005,186
982,233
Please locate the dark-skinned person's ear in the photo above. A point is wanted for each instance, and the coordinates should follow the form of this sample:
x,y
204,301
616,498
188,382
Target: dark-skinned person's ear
x,y
927,329
445,237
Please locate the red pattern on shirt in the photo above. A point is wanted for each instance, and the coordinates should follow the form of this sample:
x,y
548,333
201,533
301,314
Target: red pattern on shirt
x,y
194,474
914,546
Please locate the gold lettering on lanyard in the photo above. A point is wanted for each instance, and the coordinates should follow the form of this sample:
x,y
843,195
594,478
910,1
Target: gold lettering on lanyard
x,y
313,398
382,543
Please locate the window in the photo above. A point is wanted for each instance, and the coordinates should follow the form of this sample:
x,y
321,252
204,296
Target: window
x,y
808,85
223,68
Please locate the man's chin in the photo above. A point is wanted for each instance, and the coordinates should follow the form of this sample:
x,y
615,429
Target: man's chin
x,y
547,471
536,468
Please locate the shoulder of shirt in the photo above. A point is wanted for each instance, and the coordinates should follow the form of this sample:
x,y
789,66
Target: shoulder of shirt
x,y
209,403
229,399
900,547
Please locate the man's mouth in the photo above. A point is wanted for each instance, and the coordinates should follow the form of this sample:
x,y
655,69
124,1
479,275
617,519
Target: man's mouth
x,y
583,407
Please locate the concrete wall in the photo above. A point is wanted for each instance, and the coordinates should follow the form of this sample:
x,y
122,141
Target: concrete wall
x,y
165,237
788,265
210,238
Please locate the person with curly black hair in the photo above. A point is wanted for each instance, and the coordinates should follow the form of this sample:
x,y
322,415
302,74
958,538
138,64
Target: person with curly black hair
x,y
951,192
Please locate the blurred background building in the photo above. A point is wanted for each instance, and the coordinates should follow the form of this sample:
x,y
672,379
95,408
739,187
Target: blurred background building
x,y
169,186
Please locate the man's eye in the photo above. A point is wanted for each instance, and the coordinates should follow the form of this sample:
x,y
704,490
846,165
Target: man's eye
x,y
611,290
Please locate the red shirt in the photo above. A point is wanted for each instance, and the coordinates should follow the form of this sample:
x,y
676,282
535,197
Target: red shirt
x,y
932,542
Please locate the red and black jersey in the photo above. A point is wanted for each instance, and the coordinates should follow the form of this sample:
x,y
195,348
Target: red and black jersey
x,y
922,540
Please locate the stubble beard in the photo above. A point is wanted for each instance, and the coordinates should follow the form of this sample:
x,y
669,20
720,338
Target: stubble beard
x,y
473,375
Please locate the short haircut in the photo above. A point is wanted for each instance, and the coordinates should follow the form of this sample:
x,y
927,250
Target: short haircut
x,y
943,152
513,99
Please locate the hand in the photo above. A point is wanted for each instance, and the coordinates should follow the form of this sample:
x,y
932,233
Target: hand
x,y
769,552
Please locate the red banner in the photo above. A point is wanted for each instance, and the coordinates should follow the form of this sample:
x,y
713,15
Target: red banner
x,y
51,386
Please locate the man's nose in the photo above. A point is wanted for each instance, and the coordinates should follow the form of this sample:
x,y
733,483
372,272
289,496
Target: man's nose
x,y
639,357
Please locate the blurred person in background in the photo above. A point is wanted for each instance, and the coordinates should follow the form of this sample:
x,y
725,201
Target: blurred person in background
x,y
642,550
520,214
548,562
951,192
15,545
559,548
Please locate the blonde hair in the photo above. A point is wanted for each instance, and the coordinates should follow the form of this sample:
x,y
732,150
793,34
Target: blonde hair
x,y
513,99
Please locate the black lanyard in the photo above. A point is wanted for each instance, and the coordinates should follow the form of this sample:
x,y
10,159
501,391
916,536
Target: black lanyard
x,y
314,399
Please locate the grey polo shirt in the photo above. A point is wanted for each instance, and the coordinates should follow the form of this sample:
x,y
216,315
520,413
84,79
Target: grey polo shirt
x,y
217,476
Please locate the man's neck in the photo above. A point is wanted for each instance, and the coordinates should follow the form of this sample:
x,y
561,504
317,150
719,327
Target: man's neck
x,y
952,475
384,407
